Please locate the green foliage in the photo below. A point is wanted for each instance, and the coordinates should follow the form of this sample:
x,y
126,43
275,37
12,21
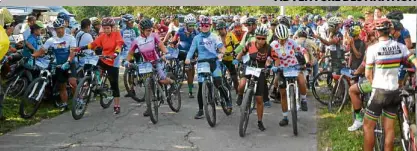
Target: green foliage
x,y
154,11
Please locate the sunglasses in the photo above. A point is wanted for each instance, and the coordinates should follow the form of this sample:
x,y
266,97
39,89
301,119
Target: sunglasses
x,y
205,25
148,30
260,38
191,25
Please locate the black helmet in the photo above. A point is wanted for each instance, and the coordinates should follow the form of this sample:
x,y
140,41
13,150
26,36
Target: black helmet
x,y
250,20
145,24
397,15
220,25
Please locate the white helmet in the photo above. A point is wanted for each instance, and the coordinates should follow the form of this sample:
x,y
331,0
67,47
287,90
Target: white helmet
x,y
243,19
190,19
261,31
236,18
281,31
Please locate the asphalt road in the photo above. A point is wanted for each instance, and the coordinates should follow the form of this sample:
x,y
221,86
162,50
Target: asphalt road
x,y
101,130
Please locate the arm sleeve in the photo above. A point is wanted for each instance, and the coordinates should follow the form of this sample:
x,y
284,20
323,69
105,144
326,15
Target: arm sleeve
x,y
241,45
96,42
218,42
192,48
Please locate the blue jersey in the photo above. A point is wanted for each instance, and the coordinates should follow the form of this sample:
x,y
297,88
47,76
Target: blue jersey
x,y
185,42
207,45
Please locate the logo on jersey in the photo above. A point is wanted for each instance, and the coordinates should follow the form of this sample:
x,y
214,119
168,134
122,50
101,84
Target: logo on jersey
x,y
393,50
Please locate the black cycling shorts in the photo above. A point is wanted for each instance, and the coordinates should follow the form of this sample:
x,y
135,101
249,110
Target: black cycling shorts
x,y
62,76
383,102
262,84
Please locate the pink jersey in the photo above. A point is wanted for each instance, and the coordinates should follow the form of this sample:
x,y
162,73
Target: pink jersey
x,y
146,46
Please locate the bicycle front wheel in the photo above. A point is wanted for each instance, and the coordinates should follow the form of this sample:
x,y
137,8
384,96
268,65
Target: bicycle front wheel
x,y
293,110
322,87
152,103
32,98
245,111
209,104
81,98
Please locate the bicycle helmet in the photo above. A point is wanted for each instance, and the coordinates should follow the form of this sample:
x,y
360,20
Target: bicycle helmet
x,y
205,20
285,21
329,15
397,25
382,24
190,19
282,32
250,20
127,18
310,17
348,23
214,19
59,22
63,15
220,24
274,22
145,24
236,18
397,15
261,31
302,33
355,30
317,18
108,21
333,22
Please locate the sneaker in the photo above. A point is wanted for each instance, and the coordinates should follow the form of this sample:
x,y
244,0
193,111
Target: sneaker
x,y
239,100
199,115
64,107
116,110
190,95
146,113
304,105
267,104
356,125
283,122
261,126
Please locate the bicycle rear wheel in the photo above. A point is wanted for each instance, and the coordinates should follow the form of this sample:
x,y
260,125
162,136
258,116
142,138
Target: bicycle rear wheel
x,y
174,96
152,102
322,85
345,94
379,137
245,112
209,104
106,95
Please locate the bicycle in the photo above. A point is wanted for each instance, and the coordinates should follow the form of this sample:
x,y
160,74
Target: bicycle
x,y
156,93
340,90
41,87
21,77
408,129
211,95
248,102
134,83
293,96
94,81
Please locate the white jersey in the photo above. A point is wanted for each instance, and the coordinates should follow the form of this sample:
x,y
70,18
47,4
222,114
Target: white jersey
x,y
385,57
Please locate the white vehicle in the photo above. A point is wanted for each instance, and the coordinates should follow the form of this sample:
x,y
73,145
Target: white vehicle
x,y
409,22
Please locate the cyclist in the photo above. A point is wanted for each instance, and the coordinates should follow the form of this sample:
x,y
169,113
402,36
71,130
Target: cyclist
x,y
238,31
34,40
271,34
146,45
111,42
264,21
207,45
295,25
230,41
96,27
84,37
172,28
66,18
184,37
357,46
333,43
363,86
384,97
286,49
304,27
400,33
62,46
311,47
129,34
260,54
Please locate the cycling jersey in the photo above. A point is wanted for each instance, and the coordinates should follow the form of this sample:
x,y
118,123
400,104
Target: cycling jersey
x,y
404,35
60,47
231,42
385,58
287,52
309,45
335,47
247,37
146,46
307,29
172,27
185,41
94,33
110,44
294,29
83,39
207,45
128,35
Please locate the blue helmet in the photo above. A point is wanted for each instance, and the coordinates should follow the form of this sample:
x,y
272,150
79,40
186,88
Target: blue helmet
x,y
64,16
128,17
59,23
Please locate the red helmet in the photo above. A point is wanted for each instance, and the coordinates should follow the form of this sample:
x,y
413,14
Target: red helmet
x,y
108,21
369,27
382,24
205,20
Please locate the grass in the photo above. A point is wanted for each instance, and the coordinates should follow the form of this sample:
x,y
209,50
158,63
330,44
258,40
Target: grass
x,y
334,136
47,110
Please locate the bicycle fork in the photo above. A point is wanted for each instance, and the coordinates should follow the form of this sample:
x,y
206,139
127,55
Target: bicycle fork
x,y
296,94
40,92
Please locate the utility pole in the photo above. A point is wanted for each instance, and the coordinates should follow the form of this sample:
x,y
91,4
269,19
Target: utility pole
x,y
282,10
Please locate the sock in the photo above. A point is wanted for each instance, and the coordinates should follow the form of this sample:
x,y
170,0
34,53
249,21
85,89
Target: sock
x,y
285,114
303,97
190,88
358,115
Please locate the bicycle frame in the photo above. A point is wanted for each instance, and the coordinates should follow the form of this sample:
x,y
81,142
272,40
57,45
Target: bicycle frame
x,y
292,82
